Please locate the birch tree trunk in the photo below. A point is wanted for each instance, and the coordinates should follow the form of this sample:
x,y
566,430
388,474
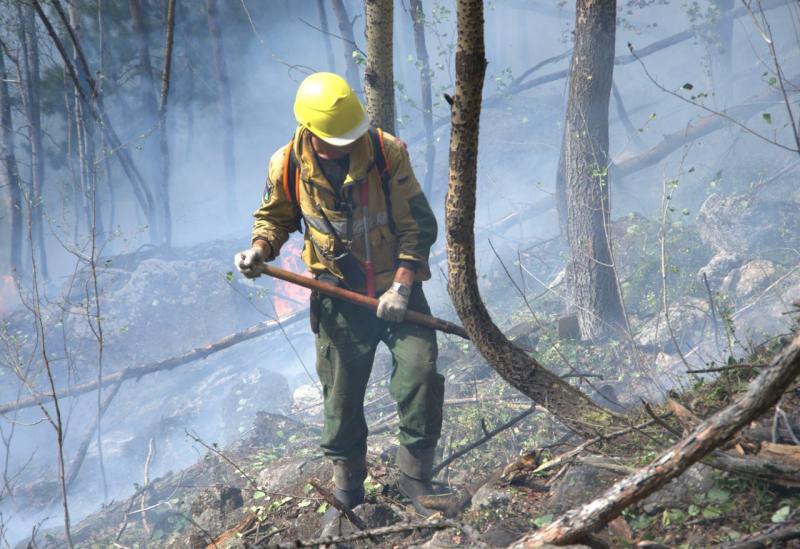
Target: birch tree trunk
x,y
30,85
10,169
349,45
566,402
418,20
378,72
595,288
226,107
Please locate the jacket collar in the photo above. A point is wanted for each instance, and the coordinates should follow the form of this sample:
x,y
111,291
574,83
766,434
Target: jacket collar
x,y
361,159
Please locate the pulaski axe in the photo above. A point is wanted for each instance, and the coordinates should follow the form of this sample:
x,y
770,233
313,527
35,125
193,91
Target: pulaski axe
x,y
367,302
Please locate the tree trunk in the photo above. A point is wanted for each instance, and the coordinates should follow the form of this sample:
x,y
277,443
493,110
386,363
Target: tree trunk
x,y
349,44
84,128
10,168
595,287
326,34
378,72
30,85
97,110
150,121
226,106
418,20
166,74
515,366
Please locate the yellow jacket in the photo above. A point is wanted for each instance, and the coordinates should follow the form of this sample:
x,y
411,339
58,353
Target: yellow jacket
x,y
414,222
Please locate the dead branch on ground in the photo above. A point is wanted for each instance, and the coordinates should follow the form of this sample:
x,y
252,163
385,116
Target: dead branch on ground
x,y
762,394
137,372
484,439
374,533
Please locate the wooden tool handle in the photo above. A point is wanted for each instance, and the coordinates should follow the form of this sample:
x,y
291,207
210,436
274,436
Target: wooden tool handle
x,y
359,299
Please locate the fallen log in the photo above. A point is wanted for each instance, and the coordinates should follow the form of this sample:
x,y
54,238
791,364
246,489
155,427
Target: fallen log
x,y
136,372
769,538
763,393
762,467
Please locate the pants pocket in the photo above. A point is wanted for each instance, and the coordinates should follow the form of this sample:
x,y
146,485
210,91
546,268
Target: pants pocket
x,y
324,366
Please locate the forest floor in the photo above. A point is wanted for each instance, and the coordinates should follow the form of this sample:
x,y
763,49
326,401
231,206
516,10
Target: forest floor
x,y
259,490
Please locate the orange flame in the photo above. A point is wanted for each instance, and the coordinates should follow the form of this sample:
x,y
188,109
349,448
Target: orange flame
x,y
293,298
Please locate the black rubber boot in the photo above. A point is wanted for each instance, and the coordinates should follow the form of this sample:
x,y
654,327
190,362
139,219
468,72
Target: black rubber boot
x,y
348,477
416,467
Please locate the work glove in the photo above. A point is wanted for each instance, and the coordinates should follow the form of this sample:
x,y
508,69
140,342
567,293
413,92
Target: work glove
x,y
246,261
392,305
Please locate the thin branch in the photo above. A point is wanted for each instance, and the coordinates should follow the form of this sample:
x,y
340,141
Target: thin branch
x,y
485,438
721,114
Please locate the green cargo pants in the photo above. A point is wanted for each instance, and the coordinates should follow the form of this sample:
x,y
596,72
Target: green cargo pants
x,y
346,343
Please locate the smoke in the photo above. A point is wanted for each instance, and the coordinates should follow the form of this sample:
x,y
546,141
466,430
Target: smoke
x,y
159,309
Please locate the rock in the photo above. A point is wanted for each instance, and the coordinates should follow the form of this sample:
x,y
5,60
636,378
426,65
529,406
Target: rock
x,y
213,511
678,493
258,389
750,278
307,400
503,532
274,429
748,226
289,475
580,484
718,268
687,317
490,497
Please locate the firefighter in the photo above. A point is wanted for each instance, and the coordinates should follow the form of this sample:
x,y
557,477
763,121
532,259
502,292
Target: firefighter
x,y
367,227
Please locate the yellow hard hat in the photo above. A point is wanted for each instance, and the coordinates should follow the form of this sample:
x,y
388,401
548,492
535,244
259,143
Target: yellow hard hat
x,y
328,107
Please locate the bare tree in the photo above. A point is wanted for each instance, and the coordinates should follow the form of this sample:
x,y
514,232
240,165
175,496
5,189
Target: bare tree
x,y
225,104
94,103
150,118
378,72
418,20
348,44
595,288
30,84
10,168
84,129
522,371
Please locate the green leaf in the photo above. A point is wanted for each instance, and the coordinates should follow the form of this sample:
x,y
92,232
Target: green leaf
x,y
543,520
719,495
672,516
711,513
767,117
229,276
258,494
322,507
693,510
304,503
688,86
781,514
